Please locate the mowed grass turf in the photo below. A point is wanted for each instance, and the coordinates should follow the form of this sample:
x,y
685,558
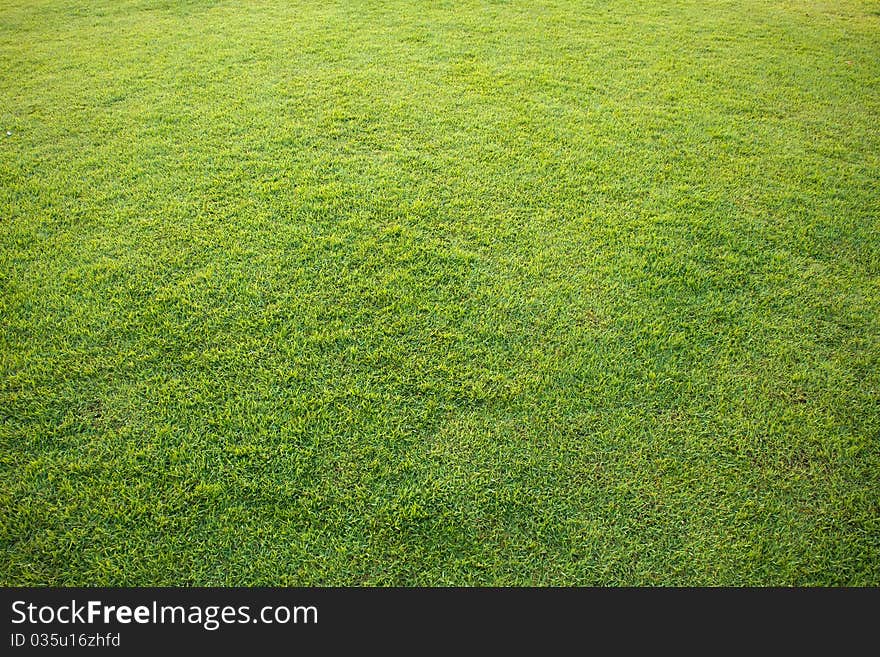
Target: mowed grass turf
x,y
391,292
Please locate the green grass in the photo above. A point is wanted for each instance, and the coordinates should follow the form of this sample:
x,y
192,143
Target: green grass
x,y
371,292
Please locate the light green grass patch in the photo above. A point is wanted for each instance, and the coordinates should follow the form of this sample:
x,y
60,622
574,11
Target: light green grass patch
x,y
394,292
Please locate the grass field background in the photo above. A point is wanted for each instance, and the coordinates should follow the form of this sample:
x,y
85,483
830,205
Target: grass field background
x,y
393,292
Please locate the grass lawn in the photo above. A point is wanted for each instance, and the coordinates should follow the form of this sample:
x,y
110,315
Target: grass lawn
x,y
372,292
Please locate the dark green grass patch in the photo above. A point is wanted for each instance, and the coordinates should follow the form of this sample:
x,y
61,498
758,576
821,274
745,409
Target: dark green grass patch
x,y
371,292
